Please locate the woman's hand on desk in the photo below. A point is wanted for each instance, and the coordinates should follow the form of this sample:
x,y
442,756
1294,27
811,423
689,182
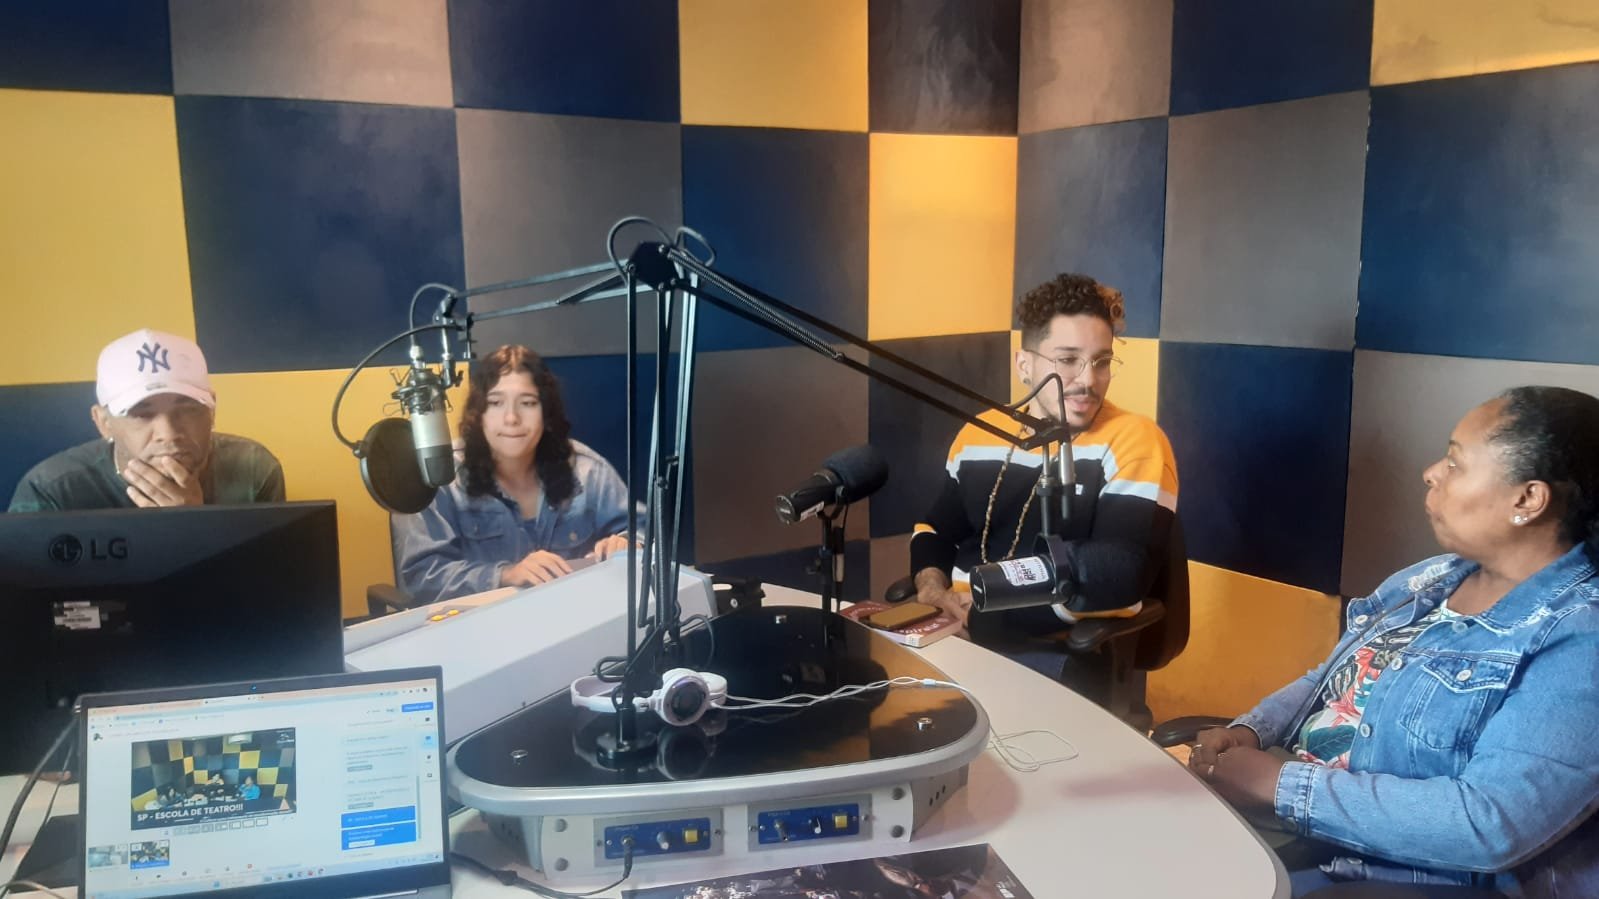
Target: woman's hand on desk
x,y
539,567
1213,741
1231,760
608,547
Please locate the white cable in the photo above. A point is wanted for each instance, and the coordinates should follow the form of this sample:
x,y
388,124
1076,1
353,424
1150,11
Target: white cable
x,y
1019,759
806,700
1015,757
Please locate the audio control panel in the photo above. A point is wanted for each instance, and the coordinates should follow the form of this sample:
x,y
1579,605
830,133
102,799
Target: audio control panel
x,y
646,838
817,822
774,825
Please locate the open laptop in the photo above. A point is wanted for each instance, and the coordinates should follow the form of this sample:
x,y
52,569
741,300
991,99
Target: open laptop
x,y
328,786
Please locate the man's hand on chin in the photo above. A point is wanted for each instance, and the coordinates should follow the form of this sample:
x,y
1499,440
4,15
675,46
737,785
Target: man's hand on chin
x,y
163,482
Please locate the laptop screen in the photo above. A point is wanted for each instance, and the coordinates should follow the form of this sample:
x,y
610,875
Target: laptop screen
x,y
302,782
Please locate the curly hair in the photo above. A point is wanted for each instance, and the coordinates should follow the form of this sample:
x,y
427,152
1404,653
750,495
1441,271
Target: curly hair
x,y
1068,294
1551,434
552,459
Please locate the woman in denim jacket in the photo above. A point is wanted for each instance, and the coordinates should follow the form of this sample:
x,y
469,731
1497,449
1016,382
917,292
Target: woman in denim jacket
x,y
1453,734
528,498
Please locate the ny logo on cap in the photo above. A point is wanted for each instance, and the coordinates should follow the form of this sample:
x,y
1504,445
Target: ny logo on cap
x,y
156,356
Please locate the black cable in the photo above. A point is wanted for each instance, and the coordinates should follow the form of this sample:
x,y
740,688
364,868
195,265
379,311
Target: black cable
x,y
510,878
27,787
338,398
410,320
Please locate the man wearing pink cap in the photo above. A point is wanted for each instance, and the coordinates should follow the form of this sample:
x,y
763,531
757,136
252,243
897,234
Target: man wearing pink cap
x,y
155,414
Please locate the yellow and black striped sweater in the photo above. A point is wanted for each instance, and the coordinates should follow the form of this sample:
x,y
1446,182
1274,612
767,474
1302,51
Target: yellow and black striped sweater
x,y
1121,516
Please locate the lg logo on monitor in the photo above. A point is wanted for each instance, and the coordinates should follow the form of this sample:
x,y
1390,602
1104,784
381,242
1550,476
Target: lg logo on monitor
x,y
69,550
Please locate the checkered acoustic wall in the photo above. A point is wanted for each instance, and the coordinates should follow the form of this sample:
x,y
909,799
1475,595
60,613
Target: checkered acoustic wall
x,y
274,177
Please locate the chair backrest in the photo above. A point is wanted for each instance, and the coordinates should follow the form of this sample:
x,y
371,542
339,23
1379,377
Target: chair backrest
x,y
1161,642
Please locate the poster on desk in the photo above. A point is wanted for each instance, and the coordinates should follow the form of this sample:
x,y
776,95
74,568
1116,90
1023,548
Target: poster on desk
x,y
963,872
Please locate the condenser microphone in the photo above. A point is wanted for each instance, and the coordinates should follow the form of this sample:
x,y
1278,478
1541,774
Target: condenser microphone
x,y
422,396
846,476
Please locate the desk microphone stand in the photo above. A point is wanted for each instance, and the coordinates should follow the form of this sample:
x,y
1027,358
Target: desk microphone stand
x,y
830,559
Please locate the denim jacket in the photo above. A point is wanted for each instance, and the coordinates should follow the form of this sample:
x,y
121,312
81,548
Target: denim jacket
x,y
461,543
1477,755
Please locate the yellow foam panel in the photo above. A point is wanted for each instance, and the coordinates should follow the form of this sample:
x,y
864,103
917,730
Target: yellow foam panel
x,y
92,241
288,413
774,63
1249,637
1415,40
942,235
1135,385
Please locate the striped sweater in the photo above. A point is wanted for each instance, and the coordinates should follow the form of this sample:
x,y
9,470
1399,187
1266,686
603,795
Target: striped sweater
x,y
1121,516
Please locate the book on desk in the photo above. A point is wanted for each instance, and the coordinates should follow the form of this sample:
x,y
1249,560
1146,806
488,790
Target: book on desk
x,y
917,635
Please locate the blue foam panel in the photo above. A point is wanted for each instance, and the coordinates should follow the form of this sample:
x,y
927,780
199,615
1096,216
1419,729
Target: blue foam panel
x,y
40,420
108,46
1228,53
1482,218
311,224
786,212
611,58
1262,442
1093,200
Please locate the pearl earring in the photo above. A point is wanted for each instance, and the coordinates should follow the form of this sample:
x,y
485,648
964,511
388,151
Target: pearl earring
x,y
1519,519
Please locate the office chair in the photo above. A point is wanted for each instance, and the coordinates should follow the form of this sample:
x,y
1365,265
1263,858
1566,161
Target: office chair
x,y
1142,643
386,599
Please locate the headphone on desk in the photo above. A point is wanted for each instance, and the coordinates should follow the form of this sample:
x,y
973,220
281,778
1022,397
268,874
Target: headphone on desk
x,y
684,697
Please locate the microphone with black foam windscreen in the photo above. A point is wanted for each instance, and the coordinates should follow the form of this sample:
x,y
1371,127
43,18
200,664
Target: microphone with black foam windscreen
x,y
846,476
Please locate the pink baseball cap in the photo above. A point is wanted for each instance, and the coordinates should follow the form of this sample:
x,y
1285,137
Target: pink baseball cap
x,y
146,363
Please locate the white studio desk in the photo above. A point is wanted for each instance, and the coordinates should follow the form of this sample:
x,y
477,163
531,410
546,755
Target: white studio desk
x,y
1122,820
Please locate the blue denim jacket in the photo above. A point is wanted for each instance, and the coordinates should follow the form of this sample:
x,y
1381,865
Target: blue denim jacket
x,y
1477,759
460,543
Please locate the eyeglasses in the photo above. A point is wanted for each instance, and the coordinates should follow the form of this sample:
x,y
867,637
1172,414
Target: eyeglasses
x,y
1070,367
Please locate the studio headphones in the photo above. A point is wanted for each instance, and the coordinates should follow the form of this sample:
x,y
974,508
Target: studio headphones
x,y
685,695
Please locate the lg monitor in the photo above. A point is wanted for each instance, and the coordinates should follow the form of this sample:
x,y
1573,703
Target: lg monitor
x,y
132,599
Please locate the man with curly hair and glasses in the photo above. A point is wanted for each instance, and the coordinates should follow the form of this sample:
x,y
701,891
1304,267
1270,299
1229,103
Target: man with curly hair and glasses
x,y
1122,513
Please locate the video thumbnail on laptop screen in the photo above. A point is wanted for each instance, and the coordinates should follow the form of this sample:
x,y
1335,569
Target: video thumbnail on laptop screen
x,y
213,779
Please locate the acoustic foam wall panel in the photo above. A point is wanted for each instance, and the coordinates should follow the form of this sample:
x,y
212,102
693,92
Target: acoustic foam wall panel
x,y
371,51
1482,214
1229,53
1088,62
91,227
795,64
115,46
945,66
1263,224
311,224
1262,438
1092,200
613,58
786,211
539,194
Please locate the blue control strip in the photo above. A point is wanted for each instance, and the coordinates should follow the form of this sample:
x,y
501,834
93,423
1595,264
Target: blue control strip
x,y
658,837
818,822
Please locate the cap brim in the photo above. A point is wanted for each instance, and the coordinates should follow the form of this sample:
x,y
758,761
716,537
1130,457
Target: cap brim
x,y
122,402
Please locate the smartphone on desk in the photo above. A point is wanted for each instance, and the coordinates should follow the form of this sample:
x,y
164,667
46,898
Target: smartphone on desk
x,y
906,613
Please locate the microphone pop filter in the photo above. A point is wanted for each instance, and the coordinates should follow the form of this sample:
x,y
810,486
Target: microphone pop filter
x,y
389,469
